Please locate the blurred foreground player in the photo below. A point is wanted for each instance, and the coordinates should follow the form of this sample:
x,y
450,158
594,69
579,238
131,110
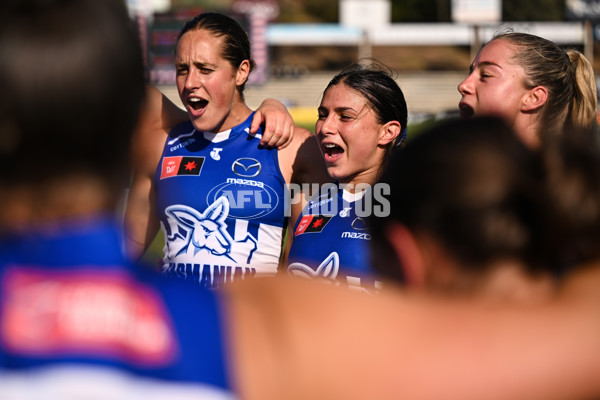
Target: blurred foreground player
x,y
491,229
76,321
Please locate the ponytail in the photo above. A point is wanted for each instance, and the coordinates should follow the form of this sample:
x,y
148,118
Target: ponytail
x,y
567,75
583,109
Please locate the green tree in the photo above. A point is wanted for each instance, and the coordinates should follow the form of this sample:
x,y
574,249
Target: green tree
x,y
420,10
325,11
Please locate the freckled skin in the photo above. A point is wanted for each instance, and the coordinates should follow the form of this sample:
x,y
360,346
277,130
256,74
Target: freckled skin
x,y
202,72
346,120
495,86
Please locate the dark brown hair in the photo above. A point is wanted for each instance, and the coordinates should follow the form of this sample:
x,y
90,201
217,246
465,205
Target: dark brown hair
x,y
72,81
473,186
376,83
236,44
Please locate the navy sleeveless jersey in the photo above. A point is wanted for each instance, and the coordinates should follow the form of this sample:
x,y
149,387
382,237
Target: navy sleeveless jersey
x,y
220,199
332,241
78,321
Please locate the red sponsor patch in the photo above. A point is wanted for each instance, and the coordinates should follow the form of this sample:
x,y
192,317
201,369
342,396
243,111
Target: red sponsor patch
x,y
303,224
180,165
84,314
170,166
312,223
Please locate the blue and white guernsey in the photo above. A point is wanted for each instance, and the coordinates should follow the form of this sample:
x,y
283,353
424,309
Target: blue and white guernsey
x,y
220,199
77,320
332,241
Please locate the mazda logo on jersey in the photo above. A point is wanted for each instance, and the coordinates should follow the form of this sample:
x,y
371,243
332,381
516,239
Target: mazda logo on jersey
x,y
248,199
246,167
359,224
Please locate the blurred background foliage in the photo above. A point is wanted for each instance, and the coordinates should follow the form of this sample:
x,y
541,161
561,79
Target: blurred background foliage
x,y
326,11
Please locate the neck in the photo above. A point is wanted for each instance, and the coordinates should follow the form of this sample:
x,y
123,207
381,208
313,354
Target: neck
x,y
527,129
364,178
28,206
238,114
506,281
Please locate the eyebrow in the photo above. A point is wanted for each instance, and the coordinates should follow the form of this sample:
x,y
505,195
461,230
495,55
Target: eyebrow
x,y
337,109
485,64
197,64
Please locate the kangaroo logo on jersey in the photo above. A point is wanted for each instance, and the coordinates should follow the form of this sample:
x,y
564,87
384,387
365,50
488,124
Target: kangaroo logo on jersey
x,y
246,167
312,223
329,268
180,165
200,236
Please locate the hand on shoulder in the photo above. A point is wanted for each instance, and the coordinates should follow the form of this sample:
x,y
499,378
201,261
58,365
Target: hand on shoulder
x,y
278,124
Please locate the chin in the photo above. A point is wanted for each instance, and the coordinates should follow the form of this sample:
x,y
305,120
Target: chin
x,y
341,178
333,174
202,125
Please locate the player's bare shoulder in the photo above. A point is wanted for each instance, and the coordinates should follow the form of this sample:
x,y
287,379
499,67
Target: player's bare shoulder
x,y
151,133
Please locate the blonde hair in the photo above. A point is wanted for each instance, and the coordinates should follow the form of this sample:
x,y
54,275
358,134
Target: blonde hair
x,y
567,75
583,107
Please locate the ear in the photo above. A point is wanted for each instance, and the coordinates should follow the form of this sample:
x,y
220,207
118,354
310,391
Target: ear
x,y
242,73
388,132
535,98
409,254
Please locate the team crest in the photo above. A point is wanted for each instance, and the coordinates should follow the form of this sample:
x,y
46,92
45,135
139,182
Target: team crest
x,y
203,236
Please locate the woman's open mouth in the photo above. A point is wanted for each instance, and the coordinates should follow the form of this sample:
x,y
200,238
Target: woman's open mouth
x,y
465,110
332,152
196,103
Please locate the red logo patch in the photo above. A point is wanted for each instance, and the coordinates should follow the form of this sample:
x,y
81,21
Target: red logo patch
x,y
180,165
312,223
87,314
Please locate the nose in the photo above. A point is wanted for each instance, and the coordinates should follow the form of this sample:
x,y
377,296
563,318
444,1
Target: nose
x,y
466,86
326,126
193,79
